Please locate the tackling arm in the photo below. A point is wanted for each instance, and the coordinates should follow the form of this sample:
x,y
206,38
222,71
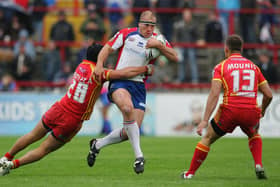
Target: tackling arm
x,y
131,72
102,57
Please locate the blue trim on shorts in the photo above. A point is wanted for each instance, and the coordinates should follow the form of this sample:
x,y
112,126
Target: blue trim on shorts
x,y
137,91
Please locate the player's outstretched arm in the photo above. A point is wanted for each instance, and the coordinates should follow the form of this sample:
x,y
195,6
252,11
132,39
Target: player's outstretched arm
x,y
131,72
267,96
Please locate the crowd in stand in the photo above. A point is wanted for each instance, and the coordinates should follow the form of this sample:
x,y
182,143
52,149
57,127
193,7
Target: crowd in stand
x,y
22,60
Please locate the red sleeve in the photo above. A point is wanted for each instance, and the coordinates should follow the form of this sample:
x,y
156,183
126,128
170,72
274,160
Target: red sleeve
x,y
106,75
217,72
120,36
261,78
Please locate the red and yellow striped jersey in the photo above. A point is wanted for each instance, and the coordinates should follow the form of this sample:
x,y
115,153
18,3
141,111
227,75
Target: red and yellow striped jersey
x,y
83,91
240,78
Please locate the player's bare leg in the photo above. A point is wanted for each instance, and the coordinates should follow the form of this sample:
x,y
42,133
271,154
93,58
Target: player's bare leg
x,y
36,134
47,146
201,152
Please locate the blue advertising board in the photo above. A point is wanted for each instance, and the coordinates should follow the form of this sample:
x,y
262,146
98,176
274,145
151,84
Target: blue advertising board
x,y
20,112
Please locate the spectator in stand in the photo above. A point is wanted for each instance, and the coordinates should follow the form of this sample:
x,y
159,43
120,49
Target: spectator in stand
x,y
62,31
247,23
224,7
166,20
248,20
98,4
93,26
185,30
143,4
3,26
28,44
267,20
22,65
213,34
38,10
51,62
116,18
268,69
15,28
8,83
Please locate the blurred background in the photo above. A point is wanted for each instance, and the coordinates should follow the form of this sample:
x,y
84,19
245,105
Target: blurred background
x,y
42,41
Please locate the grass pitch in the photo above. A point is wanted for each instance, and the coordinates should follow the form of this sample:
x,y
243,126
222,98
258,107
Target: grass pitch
x,y
229,163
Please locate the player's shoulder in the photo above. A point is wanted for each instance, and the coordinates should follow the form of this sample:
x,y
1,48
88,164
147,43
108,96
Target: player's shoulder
x,y
128,30
220,64
86,67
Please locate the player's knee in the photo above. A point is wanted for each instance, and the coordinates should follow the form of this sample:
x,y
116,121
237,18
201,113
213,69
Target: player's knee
x,y
208,139
126,109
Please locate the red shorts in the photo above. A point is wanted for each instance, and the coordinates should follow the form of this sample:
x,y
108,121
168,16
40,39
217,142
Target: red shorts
x,y
228,117
62,124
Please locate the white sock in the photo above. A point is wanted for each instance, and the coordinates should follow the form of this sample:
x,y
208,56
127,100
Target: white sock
x,y
132,131
114,137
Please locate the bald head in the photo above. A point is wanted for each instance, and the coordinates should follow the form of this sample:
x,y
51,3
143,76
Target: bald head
x,y
147,15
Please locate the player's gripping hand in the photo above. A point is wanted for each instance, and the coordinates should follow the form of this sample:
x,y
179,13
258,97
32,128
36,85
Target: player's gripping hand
x,y
153,43
150,70
201,126
98,72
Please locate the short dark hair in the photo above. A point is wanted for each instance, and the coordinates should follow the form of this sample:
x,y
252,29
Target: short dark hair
x,y
93,51
234,43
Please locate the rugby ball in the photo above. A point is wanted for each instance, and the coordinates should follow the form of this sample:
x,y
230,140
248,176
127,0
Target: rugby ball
x,y
152,53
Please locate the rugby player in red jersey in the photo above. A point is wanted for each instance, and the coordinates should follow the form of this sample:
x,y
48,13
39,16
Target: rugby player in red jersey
x,y
241,79
64,119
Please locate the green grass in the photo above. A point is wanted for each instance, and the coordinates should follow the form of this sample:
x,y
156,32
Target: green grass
x,y
229,163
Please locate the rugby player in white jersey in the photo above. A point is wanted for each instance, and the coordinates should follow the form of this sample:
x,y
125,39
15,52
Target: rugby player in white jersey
x,y
130,94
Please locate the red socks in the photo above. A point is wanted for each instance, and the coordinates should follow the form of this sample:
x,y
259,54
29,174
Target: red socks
x,y
200,154
16,164
8,156
255,145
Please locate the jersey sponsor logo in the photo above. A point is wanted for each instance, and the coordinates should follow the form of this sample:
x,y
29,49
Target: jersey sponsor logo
x,y
140,44
246,94
82,70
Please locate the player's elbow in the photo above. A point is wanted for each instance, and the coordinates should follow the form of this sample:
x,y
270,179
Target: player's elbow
x,y
174,57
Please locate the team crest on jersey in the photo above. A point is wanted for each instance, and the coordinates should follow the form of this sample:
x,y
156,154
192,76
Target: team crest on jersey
x,y
83,71
140,44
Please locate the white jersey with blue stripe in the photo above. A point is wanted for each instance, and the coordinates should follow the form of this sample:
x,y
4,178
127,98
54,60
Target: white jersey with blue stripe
x,y
132,50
